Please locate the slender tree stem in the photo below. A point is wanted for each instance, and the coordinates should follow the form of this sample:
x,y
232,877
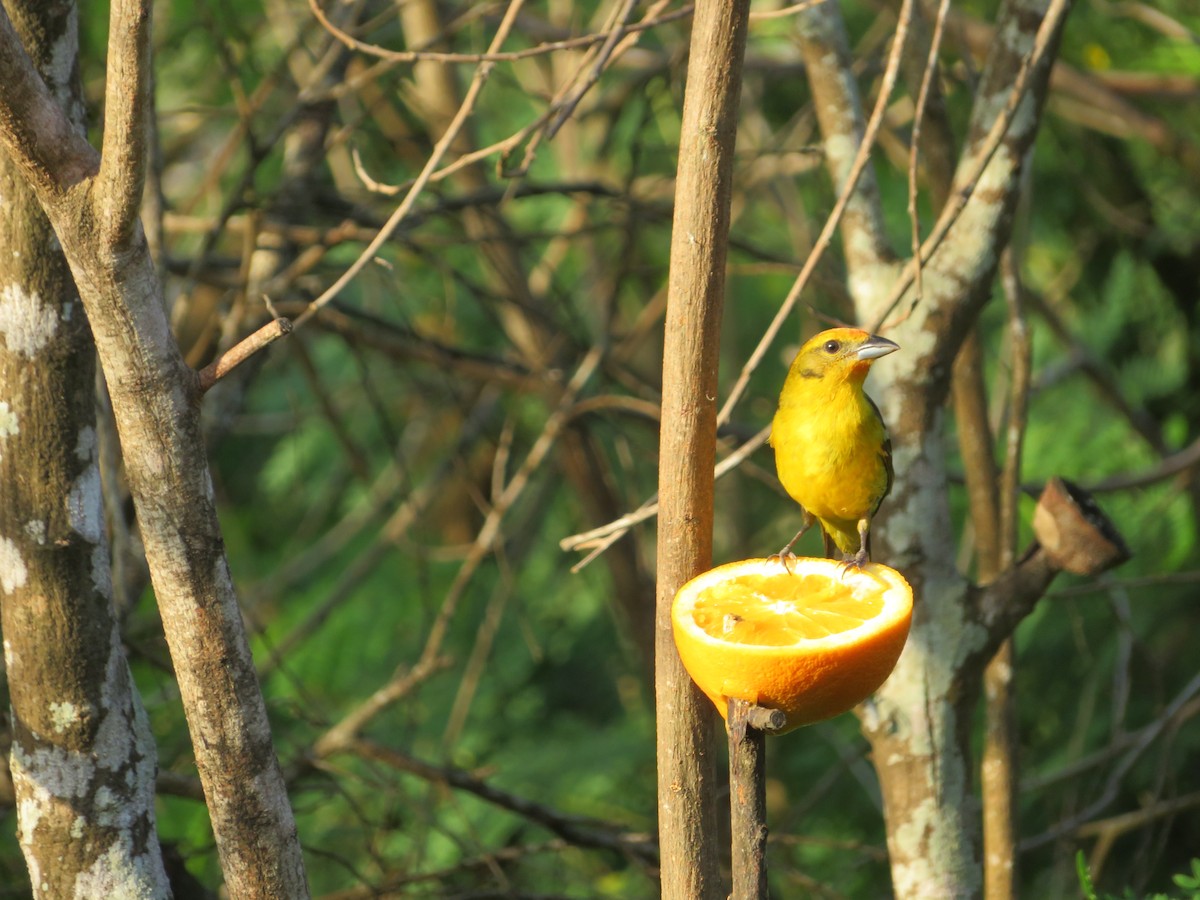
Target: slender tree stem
x,y
686,803
748,727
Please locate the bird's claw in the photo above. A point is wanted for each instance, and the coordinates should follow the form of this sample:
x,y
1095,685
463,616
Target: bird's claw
x,y
856,562
785,558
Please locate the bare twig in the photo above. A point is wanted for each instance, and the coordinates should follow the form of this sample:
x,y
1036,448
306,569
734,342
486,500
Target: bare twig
x,y
580,832
242,351
968,178
845,198
440,149
1169,466
927,80
1107,831
397,525
123,157
432,658
494,55
402,683
761,15
1113,783
1108,387
605,53
604,536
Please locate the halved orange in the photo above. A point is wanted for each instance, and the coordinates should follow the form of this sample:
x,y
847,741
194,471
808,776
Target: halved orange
x,y
812,639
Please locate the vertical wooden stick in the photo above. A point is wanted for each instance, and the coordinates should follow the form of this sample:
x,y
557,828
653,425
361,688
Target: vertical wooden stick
x,y
748,726
695,296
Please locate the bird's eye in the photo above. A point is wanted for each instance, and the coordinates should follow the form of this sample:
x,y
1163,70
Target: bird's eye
x,y
832,346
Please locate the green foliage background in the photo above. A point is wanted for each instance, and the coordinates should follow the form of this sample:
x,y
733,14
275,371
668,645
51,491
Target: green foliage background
x,y
544,694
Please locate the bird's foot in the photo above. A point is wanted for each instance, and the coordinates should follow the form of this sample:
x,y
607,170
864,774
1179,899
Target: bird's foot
x,y
856,562
784,557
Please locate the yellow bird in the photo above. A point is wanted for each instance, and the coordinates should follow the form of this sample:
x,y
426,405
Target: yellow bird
x,y
831,448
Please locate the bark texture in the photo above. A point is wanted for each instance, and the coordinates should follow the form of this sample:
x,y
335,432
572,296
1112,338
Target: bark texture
x,y
918,723
687,448
93,202
83,759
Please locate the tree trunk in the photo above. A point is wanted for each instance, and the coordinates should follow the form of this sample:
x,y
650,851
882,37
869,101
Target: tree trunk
x,y
919,722
93,204
83,758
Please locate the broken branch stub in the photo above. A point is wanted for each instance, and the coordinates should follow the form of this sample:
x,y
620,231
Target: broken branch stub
x,y
1076,534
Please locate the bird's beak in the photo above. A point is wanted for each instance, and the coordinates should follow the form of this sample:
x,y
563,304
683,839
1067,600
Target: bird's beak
x,y
875,347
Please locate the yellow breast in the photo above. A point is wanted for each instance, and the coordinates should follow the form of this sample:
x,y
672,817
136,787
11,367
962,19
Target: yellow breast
x,y
829,453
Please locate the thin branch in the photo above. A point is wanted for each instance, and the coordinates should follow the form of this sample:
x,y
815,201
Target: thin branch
x,y
1109,388
603,55
580,832
605,535
432,658
1035,785
242,351
439,150
845,197
127,101
761,15
391,884
1113,783
1107,831
1168,467
927,82
49,150
345,733
494,55
968,177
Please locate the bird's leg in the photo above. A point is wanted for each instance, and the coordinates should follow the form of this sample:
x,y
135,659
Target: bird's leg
x,y
785,555
860,559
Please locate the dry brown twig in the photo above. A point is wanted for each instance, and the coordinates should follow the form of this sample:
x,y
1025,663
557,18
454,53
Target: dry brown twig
x,y
762,15
915,139
392,532
493,55
432,658
601,538
857,167
1179,707
610,533
586,74
968,180
443,145
242,351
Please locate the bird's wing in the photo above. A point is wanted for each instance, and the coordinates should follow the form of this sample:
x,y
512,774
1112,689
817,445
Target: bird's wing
x,y
886,452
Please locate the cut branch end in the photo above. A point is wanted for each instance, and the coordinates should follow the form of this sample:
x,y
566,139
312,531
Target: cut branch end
x,y
227,362
1077,535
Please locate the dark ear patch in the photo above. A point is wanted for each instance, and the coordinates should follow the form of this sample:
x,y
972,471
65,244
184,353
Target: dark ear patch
x,y
809,373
